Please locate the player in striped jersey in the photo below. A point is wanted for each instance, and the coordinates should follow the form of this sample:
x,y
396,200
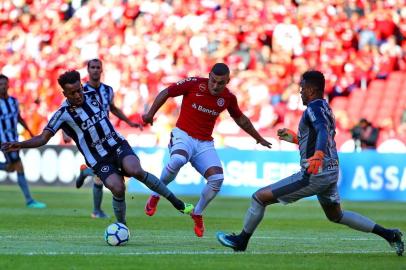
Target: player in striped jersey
x,y
105,96
83,119
318,174
9,118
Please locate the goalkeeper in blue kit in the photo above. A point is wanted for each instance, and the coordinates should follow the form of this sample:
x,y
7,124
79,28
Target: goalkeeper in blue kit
x,y
318,174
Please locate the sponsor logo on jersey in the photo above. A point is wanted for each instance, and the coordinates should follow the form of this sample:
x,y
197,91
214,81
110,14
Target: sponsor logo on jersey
x,y
55,118
202,109
186,80
91,121
199,95
109,136
220,102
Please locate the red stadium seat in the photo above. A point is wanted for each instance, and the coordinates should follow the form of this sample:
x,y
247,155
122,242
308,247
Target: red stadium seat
x,y
339,103
397,76
377,85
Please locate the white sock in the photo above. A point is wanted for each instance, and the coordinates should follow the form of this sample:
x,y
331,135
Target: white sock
x,y
253,216
207,195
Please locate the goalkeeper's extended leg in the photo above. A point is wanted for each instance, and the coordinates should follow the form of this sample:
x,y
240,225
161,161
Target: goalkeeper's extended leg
x,y
253,217
361,223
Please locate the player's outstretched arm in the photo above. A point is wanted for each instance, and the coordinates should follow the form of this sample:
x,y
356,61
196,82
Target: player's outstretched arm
x,y
245,124
160,100
34,142
120,115
288,135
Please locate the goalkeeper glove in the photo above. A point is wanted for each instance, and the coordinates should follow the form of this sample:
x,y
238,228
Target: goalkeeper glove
x,y
287,135
315,163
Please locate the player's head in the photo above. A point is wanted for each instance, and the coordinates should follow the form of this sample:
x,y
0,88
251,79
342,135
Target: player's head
x,y
72,87
95,69
312,86
364,123
219,76
3,85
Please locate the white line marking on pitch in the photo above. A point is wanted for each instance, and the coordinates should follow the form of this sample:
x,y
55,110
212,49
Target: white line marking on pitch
x,y
203,253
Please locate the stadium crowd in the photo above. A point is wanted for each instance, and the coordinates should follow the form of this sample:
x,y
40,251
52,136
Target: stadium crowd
x,y
146,45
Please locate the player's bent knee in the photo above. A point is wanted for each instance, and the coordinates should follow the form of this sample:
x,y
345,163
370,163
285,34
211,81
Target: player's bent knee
x,y
118,191
335,218
176,162
264,197
138,173
258,200
215,181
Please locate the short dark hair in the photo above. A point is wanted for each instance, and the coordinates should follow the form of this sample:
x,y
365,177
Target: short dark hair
x,y
70,76
2,76
93,60
220,69
314,79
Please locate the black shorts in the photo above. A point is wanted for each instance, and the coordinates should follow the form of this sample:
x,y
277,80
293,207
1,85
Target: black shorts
x,y
113,162
12,157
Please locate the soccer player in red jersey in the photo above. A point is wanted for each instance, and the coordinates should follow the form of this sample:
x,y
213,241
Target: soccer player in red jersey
x,y
191,140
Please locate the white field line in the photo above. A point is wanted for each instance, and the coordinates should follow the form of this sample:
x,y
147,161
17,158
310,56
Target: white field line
x,y
201,253
207,237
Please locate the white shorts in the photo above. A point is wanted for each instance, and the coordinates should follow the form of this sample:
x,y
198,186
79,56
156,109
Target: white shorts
x,y
202,154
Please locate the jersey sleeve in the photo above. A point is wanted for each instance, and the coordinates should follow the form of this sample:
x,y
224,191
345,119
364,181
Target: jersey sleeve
x,y
111,95
318,121
17,104
182,87
56,121
233,109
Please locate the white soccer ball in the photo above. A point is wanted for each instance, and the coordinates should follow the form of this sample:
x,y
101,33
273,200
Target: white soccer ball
x,y
117,234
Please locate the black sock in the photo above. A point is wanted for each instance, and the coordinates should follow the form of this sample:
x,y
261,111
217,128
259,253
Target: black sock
x,y
97,197
178,204
244,236
382,232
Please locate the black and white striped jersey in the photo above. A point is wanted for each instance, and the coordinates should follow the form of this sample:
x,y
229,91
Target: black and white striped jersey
x,y
8,119
88,126
105,94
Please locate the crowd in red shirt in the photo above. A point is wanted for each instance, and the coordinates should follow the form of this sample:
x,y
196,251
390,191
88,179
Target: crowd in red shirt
x,y
146,45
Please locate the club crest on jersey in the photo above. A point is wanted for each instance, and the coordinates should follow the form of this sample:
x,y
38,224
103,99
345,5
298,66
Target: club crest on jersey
x,y
220,102
202,87
94,103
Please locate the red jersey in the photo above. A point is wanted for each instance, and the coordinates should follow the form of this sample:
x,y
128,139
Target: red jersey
x,y
200,109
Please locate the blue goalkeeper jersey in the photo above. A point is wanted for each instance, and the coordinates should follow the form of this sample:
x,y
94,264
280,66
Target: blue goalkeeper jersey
x,y
317,132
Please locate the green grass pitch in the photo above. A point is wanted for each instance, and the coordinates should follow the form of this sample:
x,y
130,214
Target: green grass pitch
x,y
296,236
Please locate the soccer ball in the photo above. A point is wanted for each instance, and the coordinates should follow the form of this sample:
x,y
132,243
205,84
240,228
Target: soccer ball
x,y
117,234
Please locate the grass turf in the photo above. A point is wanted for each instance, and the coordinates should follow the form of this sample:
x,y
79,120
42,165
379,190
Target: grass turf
x,y
296,236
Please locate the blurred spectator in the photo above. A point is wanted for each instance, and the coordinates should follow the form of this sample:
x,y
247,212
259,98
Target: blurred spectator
x,y
365,135
151,44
